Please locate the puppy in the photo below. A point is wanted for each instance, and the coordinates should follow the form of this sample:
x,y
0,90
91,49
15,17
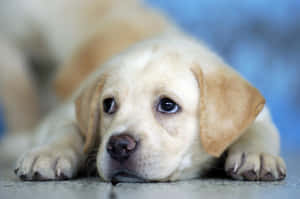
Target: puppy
x,y
163,110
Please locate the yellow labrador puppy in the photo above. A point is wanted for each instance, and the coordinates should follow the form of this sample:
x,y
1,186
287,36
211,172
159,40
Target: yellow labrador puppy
x,y
164,110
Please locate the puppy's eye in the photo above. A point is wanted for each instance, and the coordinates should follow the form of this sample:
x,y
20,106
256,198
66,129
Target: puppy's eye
x,y
109,105
168,106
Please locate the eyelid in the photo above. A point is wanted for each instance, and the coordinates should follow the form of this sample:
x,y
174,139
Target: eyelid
x,y
172,97
106,96
113,95
163,92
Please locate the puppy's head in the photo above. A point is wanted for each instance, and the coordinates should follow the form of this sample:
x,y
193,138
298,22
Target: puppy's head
x,y
162,110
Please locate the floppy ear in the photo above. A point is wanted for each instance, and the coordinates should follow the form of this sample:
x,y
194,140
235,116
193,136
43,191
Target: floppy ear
x,y
228,105
87,107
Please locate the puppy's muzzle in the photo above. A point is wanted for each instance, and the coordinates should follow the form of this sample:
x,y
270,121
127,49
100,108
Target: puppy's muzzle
x,y
121,147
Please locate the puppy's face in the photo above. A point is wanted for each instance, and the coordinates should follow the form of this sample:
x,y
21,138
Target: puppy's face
x,y
145,110
148,118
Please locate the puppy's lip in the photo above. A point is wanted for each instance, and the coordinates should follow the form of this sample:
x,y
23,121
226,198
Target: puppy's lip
x,y
126,176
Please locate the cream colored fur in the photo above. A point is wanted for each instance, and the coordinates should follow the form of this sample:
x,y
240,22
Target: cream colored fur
x,y
173,147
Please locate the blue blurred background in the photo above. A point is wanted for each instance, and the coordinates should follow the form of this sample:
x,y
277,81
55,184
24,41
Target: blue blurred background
x,y
261,39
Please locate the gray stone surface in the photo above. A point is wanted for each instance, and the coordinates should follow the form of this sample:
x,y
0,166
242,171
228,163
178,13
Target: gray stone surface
x,y
11,187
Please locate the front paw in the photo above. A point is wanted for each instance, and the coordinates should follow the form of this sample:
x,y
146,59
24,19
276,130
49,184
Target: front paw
x,y
48,164
255,166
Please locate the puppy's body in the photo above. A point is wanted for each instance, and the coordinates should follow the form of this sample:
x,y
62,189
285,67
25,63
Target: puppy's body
x,y
170,146
216,111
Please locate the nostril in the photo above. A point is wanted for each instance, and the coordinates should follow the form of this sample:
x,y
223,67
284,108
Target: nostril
x,y
121,146
127,142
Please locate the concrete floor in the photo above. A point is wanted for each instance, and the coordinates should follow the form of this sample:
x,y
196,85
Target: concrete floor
x,y
11,187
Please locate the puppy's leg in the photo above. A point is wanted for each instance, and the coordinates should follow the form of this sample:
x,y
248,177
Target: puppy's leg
x,y
255,156
18,94
59,154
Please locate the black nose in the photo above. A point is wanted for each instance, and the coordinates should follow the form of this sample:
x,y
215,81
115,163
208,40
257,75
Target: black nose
x,y
120,147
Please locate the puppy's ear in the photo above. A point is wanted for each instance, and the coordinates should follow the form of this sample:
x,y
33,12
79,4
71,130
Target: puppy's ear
x,y
87,107
228,105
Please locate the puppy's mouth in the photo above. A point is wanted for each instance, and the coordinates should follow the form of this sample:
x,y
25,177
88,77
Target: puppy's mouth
x,y
126,176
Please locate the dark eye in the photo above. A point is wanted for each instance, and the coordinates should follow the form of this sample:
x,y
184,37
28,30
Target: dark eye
x,y
109,105
167,105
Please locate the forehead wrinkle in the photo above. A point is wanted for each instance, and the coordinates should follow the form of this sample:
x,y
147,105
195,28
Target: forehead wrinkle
x,y
162,60
136,61
166,79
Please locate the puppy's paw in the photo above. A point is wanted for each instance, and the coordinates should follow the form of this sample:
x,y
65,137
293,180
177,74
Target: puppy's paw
x,y
48,164
255,166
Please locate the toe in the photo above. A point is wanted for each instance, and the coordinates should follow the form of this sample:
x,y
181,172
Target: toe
x,y
64,169
233,163
44,168
250,169
268,170
24,166
281,168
